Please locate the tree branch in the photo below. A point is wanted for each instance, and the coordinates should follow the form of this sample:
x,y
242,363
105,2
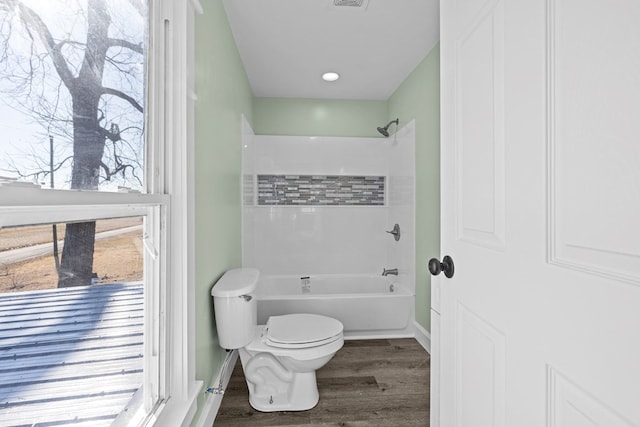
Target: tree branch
x,y
32,21
36,175
126,44
109,173
122,95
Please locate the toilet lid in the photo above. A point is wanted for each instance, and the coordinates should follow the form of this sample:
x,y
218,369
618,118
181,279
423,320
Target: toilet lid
x,y
302,330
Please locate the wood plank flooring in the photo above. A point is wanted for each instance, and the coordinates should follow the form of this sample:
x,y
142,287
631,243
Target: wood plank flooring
x,y
367,383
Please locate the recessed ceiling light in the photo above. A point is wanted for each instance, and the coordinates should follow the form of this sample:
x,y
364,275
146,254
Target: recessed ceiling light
x,y
330,77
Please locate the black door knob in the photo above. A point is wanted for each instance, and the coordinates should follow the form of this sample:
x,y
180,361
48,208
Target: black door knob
x,y
435,266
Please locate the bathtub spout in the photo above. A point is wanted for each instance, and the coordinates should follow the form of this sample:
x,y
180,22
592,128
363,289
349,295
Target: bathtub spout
x,y
393,271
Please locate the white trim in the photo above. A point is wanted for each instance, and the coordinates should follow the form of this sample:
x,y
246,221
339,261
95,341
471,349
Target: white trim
x,y
177,412
174,115
54,213
422,336
197,7
34,197
213,402
179,384
379,334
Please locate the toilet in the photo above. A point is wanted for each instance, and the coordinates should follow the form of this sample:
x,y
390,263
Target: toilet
x,y
279,359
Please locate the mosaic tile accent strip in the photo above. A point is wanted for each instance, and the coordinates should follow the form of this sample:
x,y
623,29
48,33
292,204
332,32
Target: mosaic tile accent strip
x,y
330,190
248,187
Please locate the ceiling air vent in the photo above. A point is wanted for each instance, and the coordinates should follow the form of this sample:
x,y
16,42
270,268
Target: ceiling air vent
x,y
352,3
349,4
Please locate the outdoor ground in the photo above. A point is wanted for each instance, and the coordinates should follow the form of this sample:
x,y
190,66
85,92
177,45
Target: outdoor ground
x,y
116,259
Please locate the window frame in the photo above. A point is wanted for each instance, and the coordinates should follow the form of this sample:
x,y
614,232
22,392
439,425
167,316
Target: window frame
x,y
19,207
168,206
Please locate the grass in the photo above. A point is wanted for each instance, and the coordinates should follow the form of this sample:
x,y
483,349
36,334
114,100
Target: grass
x,y
116,259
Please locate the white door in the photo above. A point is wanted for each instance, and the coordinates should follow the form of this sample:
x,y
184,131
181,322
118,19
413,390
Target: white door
x,y
540,324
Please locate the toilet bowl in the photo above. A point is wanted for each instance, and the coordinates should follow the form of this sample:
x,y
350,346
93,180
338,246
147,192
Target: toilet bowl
x,y
279,359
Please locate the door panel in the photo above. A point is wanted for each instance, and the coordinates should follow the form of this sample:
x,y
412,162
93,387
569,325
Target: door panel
x,y
591,119
479,371
540,204
572,406
479,129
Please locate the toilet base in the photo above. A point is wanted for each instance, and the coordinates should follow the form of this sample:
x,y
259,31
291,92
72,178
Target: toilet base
x,y
302,395
272,387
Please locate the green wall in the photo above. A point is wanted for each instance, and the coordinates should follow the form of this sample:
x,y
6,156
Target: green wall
x,y
224,95
418,97
318,117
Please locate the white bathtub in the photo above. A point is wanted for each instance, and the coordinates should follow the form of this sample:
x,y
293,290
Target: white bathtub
x,y
368,306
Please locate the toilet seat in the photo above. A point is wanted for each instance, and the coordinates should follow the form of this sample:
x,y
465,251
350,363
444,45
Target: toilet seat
x,y
297,331
259,344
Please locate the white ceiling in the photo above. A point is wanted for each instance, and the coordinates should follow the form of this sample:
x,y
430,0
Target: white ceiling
x,y
286,45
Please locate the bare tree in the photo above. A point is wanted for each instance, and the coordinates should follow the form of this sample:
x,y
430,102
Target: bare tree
x,y
85,85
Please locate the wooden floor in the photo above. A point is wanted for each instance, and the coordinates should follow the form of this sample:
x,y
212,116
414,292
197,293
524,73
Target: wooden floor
x,y
367,383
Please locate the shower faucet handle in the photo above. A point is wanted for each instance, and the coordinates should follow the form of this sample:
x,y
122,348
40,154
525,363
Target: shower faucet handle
x,y
395,232
393,271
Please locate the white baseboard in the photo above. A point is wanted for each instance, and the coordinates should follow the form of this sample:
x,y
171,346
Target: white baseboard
x,y
213,402
422,336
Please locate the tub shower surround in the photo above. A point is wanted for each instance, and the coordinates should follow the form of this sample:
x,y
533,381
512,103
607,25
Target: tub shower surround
x,y
328,190
283,236
322,206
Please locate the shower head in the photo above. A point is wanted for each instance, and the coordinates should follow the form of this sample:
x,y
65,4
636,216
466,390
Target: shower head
x,y
385,130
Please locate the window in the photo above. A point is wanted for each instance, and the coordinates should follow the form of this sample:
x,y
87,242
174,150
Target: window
x,y
75,353
85,109
72,79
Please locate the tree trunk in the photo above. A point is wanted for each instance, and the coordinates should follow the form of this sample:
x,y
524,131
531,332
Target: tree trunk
x,y
76,267
76,264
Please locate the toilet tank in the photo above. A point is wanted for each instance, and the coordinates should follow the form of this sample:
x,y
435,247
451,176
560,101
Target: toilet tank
x,y
235,306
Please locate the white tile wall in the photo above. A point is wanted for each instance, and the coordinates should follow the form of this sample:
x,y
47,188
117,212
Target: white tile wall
x,y
401,202
331,239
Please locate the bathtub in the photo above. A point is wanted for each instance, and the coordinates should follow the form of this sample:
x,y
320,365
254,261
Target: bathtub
x,y
368,306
